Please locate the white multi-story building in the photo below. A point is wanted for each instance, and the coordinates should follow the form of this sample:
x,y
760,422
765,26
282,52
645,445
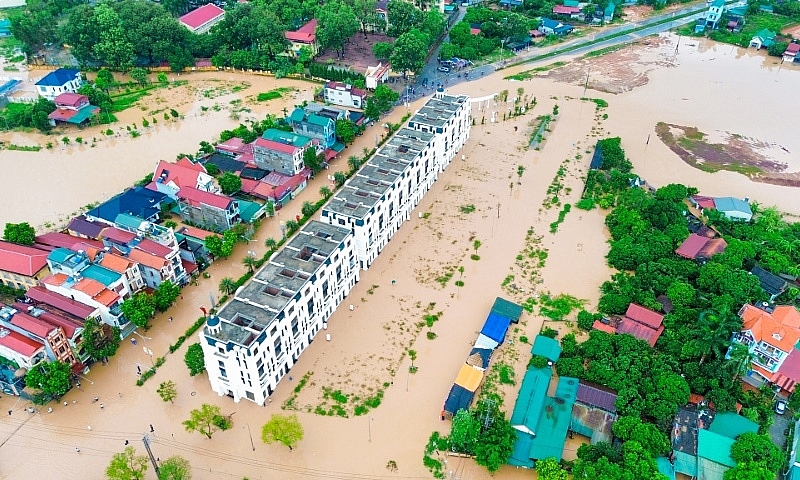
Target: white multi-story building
x,y
256,338
380,197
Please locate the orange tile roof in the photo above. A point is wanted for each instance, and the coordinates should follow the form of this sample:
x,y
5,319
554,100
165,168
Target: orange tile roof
x,y
56,279
107,297
787,315
765,327
89,286
147,259
115,262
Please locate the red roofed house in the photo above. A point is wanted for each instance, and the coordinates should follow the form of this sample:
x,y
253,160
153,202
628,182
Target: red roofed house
x,y
475,31
89,292
171,177
572,12
20,349
202,19
72,108
305,36
699,247
45,298
771,335
792,52
208,210
376,75
345,95
51,336
638,321
71,325
22,266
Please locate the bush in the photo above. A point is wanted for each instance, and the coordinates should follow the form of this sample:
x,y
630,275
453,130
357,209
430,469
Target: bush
x,y
549,332
537,361
585,320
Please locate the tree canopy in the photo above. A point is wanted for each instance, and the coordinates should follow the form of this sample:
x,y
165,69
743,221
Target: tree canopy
x,y
127,465
205,420
175,468
52,378
195,359
284,429
21,233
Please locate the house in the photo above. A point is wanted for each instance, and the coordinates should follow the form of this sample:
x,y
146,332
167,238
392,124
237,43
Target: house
x,y
638,321
225,162
139,201
554,27
128,270
234,147
509,4
19,349
345,95
192,244
71,325
608,12
92,293
572,12
156,252
53,240
281,151
22,266
169,178
376,75
381,195
277,187
714,14
202,19
41,297
313,126
701,248
771,335
791,52
773,284
734,208
72,108
52,337
208,210
305,36
82,227
763,38
594,412
58,82
256,338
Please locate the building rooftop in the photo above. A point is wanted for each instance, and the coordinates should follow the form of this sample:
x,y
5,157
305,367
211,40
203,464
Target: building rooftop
x,y
58,77
437,112
195,198
101,274
81,226
201,16
304,34
287,138
21,259
138,201
19,343
39,294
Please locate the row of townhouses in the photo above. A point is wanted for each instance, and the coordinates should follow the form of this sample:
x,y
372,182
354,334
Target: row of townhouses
x,y
256,338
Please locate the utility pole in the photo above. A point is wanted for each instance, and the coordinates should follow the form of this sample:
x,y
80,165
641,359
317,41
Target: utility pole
x,y
146,441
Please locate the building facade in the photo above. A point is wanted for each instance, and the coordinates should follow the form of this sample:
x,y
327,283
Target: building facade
x,y
281,151
345,95
59,81
256,338
52,337
21,266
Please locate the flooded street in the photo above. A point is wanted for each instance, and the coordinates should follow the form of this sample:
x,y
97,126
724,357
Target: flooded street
x,y
710,87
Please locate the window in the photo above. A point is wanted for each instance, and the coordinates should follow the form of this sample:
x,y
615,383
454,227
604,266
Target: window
x,y
250,396
278,347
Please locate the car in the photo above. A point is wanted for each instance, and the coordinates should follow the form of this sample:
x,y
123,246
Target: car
x,y
443,69
780,407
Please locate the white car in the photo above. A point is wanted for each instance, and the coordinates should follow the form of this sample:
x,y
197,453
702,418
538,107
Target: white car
x,y
780,407
443,69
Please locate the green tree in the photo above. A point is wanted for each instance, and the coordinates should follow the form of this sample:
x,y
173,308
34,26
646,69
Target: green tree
x,y
162,78
250,262
354,162
34,28
313,160
167,391
113,48
165,295
127,465
402,17
227,285
749,471
230,183
139,75
496,442
100,340
204,419
550,469
339,178
754,447
194,359
371,109
271,243
175,468
410,50
176,7
337,23
104,79
382,50
345,130
465,432
325,191
20,233
285,429
740,360
713,333
52,378
308,209
385,98
655,442
139,308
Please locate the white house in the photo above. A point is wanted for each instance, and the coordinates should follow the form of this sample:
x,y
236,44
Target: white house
x,y
169,178
380,197
59,81
344,95
256,338
376,75
714,13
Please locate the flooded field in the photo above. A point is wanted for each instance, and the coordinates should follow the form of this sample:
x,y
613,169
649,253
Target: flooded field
x,y
367,350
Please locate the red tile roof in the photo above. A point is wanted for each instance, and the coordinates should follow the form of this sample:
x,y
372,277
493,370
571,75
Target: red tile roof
x,y
117,235
692,246
792,48
71,99
21,259
644,316
788,375
153,247
20,343
640,330
275,146
71,306
64,240
116,263
195,232
712,247
31,324
147,259
234,145
704,202
195,198
199,17
190,267
183,173
89,286
474,31
70,325
598,325
781,334
304,34
561,9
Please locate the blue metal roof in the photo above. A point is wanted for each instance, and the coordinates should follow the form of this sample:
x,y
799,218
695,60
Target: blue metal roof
x,y
495,327
58,77
731,204
137,201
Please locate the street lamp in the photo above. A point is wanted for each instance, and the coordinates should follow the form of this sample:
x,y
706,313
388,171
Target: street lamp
x,y
146,350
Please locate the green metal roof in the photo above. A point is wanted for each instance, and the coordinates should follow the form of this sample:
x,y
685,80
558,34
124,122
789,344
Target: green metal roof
x,y
531,397
250,210
546,347
521,457
665,468
297,115
131,221
794,473
288,138
338,147
571,3
59,255
101,274
83,114
685,463
318,120
507,309
732,425
567,389
551,432
715,447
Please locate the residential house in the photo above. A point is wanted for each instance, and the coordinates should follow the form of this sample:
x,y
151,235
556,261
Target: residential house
x,y
773,284
277,187
208,210
78,264
509,4
52,337
158,261
169,178
127,268
714,14
92,293
41,297
638,321
792,52
700,247
139,201
554,27
235,148
377,75
571,12
192,242
58,82
771,335
305,36
19,349
608,12
70,324
225,162
281,151
256,338
202,19
381,195
763,38
345,95
733,208
382,14
22,266
83,227
51,240
72,108
314,126
594,412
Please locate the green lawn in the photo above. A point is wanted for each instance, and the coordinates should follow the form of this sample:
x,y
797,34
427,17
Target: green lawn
x,y
123,101
754,23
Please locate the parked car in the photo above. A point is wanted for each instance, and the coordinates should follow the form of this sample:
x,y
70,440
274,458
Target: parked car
x,y
443,69
780,407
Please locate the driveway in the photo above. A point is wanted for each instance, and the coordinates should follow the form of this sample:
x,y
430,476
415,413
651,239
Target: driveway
x,y
776,431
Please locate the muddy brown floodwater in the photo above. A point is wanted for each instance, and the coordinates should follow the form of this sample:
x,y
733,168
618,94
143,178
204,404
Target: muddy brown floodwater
x,y
710,87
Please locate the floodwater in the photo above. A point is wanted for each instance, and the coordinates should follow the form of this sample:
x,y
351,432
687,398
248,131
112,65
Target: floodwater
x,y
369,343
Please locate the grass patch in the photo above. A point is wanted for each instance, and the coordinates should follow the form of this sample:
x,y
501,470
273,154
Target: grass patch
x,y
558,307
597,101
754,23
530,73
444,278
561,215
126,100
606,50
467,208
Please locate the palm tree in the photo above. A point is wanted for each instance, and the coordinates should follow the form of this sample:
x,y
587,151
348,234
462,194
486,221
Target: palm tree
x,y
713,334
271,243
740,360
250,262
354,162
308,209
325,191
292,226
339,178
227,285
